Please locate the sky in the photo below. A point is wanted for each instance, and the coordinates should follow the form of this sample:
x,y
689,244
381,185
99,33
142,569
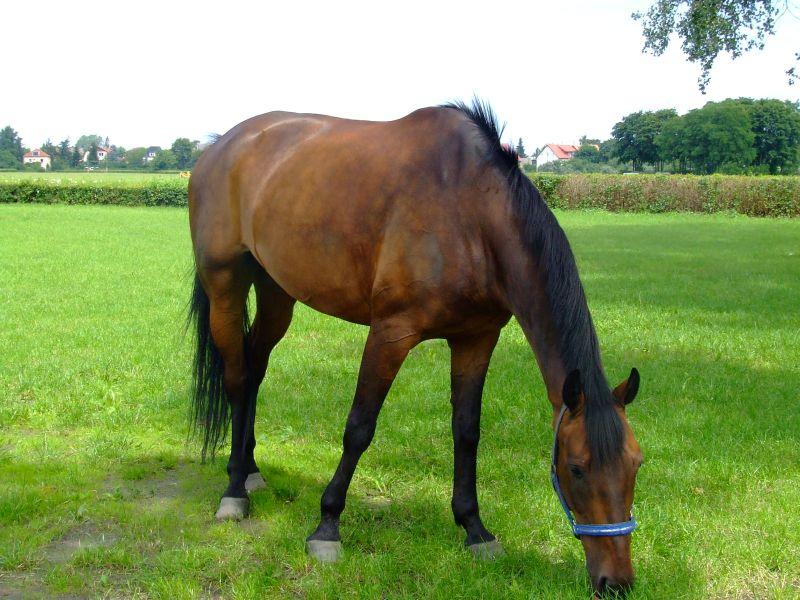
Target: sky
x,y
144,73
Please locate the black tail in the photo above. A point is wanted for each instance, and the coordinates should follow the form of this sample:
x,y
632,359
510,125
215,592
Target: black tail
x,y
210,407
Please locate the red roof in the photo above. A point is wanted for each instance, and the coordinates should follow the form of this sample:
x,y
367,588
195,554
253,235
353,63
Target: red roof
x,y
37,152
563,151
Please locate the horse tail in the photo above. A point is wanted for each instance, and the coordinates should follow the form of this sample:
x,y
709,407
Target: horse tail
x,y
210,411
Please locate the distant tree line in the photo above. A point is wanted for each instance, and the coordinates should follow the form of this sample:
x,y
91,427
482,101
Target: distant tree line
x,y
83,154
735,136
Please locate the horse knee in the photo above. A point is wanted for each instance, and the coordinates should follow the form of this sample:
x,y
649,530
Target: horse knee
x,y
358,434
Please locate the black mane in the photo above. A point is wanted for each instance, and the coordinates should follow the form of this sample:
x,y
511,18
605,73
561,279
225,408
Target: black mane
x,y
546,240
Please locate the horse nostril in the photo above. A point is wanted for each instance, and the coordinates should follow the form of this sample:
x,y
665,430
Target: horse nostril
x,y
617,588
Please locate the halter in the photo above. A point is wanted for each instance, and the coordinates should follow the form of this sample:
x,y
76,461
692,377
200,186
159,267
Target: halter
x,y
579,529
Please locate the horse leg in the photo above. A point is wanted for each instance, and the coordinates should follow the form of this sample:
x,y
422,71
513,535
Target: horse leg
x,y
274,309
227,290
386,348
469,362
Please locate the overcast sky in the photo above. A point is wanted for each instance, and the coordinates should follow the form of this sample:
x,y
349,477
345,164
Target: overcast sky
x,y
143,73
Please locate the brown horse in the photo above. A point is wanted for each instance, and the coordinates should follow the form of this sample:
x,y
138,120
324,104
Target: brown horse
x,y
421,228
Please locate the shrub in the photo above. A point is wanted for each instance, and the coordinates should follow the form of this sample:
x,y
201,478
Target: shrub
x,y
767,196
85,191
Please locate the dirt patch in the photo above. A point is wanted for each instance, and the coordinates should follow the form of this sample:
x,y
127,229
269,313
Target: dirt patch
x,y
27,586
255,527
162,486
85,536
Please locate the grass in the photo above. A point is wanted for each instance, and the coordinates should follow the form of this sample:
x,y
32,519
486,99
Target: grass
x,y
102,496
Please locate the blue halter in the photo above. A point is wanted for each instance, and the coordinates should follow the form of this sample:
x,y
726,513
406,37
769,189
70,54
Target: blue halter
x,y
579,529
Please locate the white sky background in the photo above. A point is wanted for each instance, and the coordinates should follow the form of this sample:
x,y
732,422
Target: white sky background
x,y
144,73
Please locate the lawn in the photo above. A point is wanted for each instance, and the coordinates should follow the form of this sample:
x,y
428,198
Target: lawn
x,y
102,496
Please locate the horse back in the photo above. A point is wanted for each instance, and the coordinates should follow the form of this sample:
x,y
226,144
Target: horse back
x,y
357,219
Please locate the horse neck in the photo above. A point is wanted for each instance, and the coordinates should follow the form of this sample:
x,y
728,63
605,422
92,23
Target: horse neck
x,y
528,299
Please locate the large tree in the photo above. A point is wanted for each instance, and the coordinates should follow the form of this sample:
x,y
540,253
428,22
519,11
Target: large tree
x,y
708,27
182,150
85,141
776,127
718,136
635,136
11,142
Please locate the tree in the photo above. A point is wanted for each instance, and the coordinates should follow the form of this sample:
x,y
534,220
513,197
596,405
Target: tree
x,y
63,149
708,27
10,141
182,150
717,137
163,160
521,149
8,160
92,159
135,158
116,155
589,152
776,130
76,157
85,141
635,137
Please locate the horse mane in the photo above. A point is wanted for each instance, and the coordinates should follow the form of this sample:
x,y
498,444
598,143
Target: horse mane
x,y
543,236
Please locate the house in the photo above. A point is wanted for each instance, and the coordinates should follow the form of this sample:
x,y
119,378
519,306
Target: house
x,y
37,156
554,152
102,153
151,152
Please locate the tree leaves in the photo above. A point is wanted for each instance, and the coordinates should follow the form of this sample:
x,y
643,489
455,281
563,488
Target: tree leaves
x,y
708,27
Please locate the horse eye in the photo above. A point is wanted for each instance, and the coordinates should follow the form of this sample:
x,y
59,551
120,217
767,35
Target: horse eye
x,y
576,472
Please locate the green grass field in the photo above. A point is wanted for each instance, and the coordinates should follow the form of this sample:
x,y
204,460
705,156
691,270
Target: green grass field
x,y
101,495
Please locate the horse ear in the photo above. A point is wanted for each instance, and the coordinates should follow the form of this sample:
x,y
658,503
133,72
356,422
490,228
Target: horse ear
x,y
626,391
572,393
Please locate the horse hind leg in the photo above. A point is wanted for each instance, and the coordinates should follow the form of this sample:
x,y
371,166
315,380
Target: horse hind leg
x,y
224,390
274,308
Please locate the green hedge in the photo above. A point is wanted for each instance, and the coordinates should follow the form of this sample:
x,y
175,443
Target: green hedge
x,y
148,192
760,196
756,196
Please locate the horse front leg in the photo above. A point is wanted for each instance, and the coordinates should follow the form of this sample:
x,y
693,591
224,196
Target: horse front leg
x,y
469,362
386,348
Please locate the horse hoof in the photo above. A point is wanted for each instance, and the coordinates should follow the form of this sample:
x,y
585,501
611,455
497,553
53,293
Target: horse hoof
x,y
233,509
255,481
486,550
324,551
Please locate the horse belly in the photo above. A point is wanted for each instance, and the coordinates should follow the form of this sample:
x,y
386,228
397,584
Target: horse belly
x,y
316,263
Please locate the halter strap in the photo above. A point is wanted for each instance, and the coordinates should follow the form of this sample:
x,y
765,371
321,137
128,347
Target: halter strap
x,y
579,529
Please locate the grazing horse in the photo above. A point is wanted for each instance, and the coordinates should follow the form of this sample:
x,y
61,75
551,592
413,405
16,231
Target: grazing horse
x,y
420,228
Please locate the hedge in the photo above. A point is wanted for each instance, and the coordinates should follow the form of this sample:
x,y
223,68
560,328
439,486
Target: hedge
x,y
148,192
757,196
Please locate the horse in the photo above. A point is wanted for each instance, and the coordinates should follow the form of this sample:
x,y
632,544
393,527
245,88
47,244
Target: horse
x,y
423,227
